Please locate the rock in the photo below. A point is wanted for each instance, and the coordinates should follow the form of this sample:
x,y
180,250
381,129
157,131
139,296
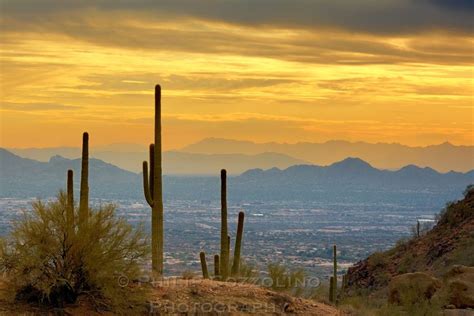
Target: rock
x,y
288,308
409,288
460,284
458,312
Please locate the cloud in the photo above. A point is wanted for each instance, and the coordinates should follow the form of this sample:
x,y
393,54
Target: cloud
x,y
131,82
367,16
28,107
120,30
463,5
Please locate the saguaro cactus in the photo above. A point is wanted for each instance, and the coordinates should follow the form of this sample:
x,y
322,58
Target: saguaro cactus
x,y
153,190
331,290
238,244
70,203
216,266
205,273
224,257
84,194
334,254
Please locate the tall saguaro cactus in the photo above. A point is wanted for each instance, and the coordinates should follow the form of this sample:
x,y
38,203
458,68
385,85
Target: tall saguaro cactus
x,y
205,273
153,189
238,244
84,194
331,290
216,266
334,254
70,203
224,256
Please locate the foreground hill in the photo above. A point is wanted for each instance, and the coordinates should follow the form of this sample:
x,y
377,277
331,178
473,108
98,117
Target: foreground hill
x,y
449,243
443,157
200,297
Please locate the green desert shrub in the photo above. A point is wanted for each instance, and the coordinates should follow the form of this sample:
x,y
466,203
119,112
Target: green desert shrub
x,y
378,260
247,271
47,262
282,279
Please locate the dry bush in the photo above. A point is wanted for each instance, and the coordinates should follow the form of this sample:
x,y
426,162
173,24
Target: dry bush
x,y
188,275
45,262
286,280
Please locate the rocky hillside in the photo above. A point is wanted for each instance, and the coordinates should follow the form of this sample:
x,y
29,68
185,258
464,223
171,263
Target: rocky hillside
x,y
449,243
197,297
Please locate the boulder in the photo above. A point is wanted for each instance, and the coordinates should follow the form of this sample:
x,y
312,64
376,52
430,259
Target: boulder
x,y
460,285
409,288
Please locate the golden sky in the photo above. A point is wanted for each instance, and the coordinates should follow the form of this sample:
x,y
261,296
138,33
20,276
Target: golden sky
x,y
282,70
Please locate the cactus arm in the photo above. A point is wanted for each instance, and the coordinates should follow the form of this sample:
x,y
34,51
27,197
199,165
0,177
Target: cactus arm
x,y
146,186
238,244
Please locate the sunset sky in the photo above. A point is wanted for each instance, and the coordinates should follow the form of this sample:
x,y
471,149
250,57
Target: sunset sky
x,y
262,70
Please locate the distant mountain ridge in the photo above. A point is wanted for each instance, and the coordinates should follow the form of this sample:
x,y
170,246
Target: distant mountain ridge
x,y
443,157
351,178
174,162
356,171
27,177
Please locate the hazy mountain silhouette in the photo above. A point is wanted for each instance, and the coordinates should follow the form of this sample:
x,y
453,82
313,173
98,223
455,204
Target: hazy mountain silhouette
x,y
354,171
443,157
130,157
27,177
349,180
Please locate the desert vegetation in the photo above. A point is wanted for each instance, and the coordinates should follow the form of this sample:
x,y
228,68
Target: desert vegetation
x,y
62,251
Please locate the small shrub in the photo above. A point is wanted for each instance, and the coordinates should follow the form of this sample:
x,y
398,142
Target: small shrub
x,y
407,264
285,280
247,271
401,244
469,189
378,260
445,216
47,264
188,275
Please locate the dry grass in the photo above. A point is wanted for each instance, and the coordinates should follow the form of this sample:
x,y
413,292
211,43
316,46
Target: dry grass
x,y
199,296
196,297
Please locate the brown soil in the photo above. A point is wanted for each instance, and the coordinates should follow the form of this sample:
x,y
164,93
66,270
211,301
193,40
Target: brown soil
x,y
195,297
226,298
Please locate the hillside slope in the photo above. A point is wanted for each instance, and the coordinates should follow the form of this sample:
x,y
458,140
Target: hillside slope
x,y
449,243
199,297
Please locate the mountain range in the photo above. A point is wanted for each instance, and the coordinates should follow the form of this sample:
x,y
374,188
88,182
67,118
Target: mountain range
x,y
204,157
351,178
443,157
130,157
